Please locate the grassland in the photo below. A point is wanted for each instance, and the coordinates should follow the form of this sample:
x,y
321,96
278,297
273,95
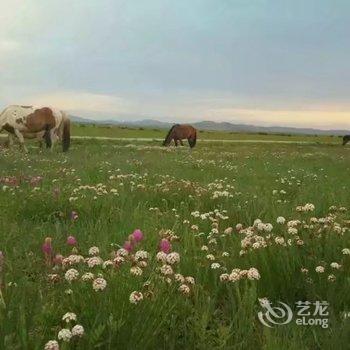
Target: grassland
x,y
95,130
115,188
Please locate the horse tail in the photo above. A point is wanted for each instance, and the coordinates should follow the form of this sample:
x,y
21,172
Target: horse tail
x,y
167,138
193,139
65,134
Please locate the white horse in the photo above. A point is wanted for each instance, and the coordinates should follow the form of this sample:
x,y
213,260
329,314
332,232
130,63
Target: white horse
x,y
44,123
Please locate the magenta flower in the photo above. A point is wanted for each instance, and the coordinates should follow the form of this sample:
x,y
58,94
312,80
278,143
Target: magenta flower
x,y
47,246
165,246
128,246
71,240
137,235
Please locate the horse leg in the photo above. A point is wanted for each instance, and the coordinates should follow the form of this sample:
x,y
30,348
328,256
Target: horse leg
x,y
176,142
181,143
10,141
21,140
53,137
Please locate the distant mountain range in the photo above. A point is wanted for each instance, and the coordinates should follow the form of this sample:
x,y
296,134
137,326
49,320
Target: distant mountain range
x,y
214,126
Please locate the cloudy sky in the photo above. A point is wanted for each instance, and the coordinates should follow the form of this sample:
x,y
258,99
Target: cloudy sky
x,y
266,62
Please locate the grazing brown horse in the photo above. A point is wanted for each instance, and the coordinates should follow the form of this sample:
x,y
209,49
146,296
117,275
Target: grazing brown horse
x,y
178,132
346,139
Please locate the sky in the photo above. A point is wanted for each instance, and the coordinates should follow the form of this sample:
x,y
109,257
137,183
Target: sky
x,y
262,62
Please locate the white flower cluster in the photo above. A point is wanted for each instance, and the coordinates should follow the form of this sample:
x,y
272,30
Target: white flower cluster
x,y
135,297
238,274
306,207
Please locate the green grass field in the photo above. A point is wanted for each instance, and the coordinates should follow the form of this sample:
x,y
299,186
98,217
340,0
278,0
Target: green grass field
x,y
96,130
193,199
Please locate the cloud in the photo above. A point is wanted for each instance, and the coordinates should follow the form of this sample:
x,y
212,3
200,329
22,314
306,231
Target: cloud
x,y
85,103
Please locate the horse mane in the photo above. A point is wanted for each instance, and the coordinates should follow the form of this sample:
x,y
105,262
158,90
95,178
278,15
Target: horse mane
x,y
169,132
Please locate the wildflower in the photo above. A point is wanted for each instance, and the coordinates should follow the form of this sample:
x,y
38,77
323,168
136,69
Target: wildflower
x,y
189,280
57,260
71,240
135,297
88,276
94,251
179,278
141,255
107,263
215,266
173,258
166,270
128,246
68,291
204,248
78,330
161,257
224,277
184,289
165,246
281,220
71,275
74,215
52,345
304,270
225,254
228,230
335,265
137,235
136,271
331,278
210,257
122,252
319,269
69,316
47,246
72,259
94,261
239,227
346,251
64,334
99,284
234,276
292,230
253,274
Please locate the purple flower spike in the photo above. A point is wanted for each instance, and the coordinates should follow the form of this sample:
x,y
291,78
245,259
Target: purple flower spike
x,y
137,235
165,246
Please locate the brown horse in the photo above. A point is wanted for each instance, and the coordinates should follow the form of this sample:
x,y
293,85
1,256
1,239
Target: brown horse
x,y
178,132
45,123
346,139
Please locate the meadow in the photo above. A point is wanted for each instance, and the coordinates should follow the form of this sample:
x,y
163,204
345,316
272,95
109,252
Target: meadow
x,y
115,131
136,246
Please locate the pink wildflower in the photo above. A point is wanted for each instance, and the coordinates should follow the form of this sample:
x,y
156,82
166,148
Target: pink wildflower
x,y
165,246
47,246
137,235
128,246
71,240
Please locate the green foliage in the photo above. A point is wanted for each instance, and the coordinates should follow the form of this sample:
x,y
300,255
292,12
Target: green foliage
x,y
216,315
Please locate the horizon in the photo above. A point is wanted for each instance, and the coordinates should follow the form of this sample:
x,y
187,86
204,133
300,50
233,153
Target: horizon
x,y
260,63
124,121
